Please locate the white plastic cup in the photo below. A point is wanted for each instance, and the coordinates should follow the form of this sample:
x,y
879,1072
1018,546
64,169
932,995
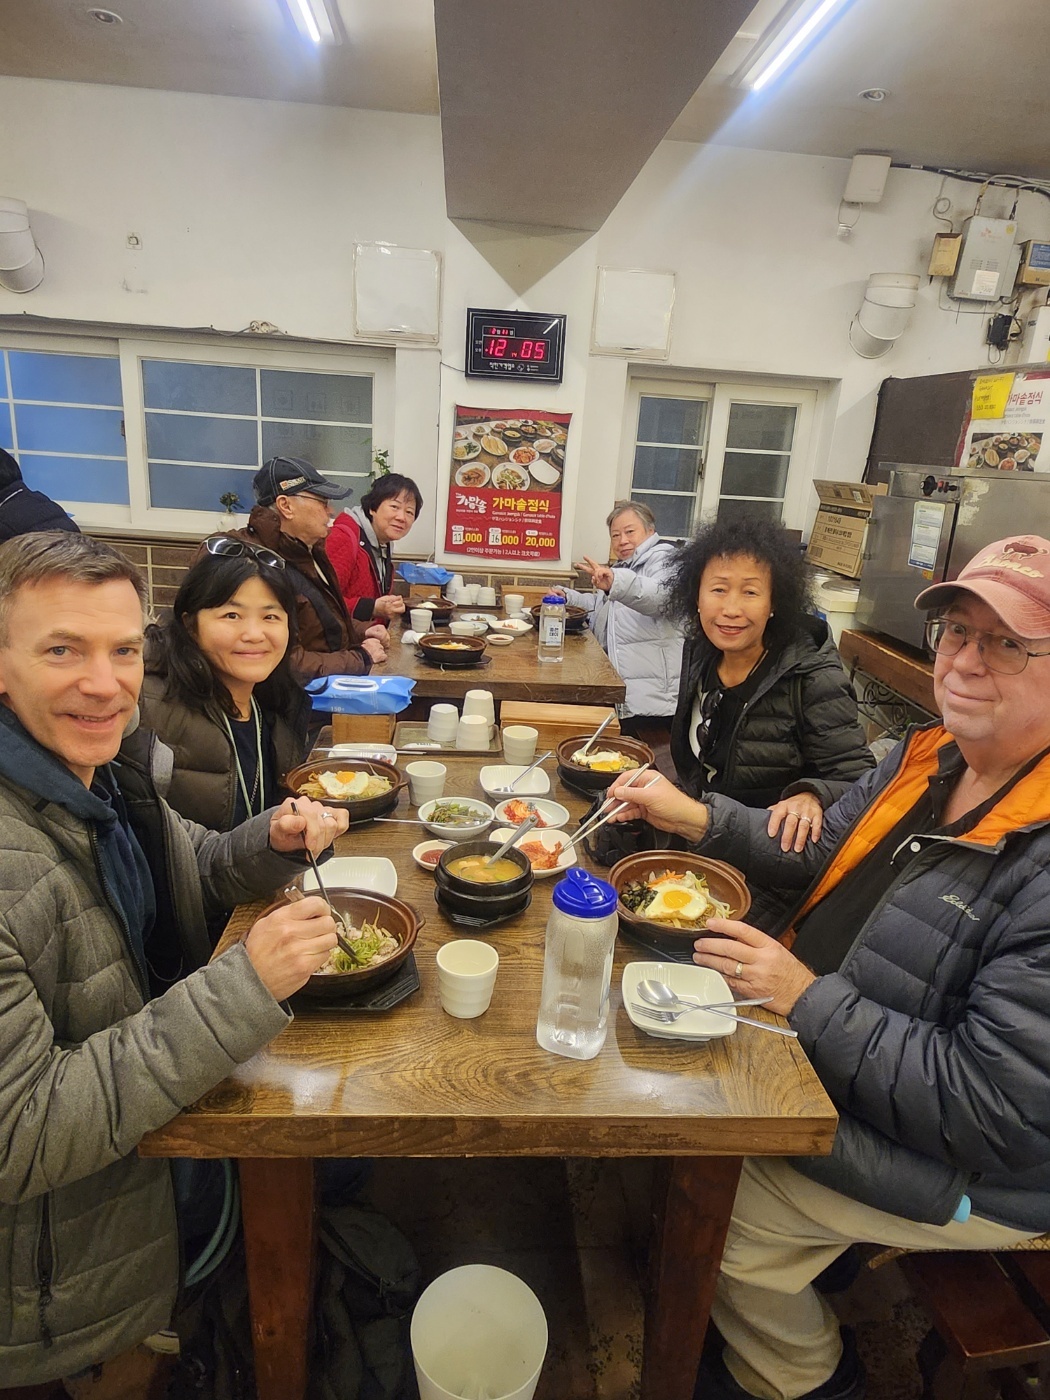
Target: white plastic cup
x,y
426,781
473,732
513,603
469,593
454,584
422,620
442,723
487,597
478,1331
466,976
519,743
480,702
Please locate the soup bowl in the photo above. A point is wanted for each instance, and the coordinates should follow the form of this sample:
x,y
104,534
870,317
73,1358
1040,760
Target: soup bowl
x,y
475,898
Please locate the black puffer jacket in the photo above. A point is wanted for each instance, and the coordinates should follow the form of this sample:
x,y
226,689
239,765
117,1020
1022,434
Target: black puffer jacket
x,y
933,1038
798,732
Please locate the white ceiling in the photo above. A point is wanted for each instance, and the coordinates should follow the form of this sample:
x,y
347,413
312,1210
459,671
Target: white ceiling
x,y
599,82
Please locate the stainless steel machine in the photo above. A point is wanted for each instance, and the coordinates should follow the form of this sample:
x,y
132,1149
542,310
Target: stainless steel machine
x,y
926,529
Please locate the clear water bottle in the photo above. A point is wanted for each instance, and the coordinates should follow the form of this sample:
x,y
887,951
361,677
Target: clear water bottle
x,y
552,628
577,966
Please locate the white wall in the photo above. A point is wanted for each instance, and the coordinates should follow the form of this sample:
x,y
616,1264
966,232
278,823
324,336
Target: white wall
x,y
249,210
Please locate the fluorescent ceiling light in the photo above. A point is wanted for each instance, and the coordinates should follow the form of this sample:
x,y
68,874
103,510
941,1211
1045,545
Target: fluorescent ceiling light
x,y
802,25
316,20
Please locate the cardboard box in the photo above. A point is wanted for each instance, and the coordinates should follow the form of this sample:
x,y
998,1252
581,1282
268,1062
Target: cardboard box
x,y
841,526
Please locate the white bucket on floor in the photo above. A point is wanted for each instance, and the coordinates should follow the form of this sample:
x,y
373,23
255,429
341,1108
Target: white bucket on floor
x,y
478,1333
836,602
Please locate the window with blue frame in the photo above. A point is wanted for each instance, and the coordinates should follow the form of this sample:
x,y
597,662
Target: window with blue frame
x,y
62,417
210,427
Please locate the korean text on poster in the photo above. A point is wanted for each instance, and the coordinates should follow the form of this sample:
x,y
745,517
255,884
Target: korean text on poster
x,y
1013,439
505,484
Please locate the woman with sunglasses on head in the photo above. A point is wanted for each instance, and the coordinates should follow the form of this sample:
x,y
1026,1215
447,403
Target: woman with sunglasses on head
x,y
219,691
765,713
359,546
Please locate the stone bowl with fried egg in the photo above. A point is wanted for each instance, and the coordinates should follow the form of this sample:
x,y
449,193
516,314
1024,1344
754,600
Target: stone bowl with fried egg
x,y
343,782
651,926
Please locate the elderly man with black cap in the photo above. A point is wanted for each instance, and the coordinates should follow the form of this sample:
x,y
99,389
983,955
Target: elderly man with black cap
x,y
916,970
290,523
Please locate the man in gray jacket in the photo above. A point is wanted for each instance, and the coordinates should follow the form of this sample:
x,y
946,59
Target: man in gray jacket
x,y
916,971
111,1018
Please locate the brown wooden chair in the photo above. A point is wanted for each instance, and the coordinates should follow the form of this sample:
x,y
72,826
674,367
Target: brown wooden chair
x,y
991,1321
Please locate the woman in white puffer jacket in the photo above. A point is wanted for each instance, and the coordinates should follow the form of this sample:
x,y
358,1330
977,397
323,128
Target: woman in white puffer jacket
x,y
628,614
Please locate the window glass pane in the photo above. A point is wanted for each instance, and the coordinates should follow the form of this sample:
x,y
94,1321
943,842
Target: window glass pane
x,y
327,448
749,510
94,431
77,478
674,514
326,398
198,388
65,378
666,468
762,425
176,437
671,420
197,488
7,438
754,474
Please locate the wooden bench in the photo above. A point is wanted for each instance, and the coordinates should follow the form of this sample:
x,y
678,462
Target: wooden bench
x,y
991,1313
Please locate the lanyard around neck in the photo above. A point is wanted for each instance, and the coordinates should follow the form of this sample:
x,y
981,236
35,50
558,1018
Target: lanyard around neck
x,y
260,781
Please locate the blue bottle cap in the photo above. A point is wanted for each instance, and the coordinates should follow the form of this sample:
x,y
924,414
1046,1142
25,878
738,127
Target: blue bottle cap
x,y
553,598
579,893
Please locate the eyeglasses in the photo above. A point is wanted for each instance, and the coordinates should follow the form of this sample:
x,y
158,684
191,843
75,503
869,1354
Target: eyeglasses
x,y
709,704
226,548
1005,655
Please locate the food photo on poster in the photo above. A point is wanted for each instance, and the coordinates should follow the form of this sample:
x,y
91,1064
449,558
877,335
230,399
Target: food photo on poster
x,y
505,483
1008,423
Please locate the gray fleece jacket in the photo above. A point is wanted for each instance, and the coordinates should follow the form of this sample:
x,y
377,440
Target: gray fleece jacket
x,y
89,1064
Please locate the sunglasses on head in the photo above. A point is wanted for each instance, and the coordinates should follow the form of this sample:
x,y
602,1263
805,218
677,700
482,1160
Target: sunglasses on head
x,y
225,548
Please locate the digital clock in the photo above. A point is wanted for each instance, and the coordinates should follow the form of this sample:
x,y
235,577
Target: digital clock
x,y
515,345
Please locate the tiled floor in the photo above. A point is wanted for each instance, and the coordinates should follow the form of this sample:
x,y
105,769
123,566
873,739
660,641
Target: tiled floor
x,y
575,1232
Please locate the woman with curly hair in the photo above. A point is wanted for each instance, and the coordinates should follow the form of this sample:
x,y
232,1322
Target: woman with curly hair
x,y
765,711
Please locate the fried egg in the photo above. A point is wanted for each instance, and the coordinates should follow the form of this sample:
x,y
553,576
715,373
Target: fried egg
x,y
343,785
673,899
603,760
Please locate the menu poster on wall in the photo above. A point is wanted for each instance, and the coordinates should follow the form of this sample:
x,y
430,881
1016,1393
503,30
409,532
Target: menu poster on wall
x,y
1011,437
505,485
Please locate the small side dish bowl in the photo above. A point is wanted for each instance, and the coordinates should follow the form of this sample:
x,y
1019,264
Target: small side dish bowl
x,y
467,830
495,776
427,854
550,840
553,813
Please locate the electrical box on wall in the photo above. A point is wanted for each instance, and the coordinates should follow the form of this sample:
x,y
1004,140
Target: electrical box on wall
x,y
944,258
1035,264
866,180
987,261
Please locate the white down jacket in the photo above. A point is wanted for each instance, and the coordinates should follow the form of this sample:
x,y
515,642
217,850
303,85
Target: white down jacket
x,y
630,623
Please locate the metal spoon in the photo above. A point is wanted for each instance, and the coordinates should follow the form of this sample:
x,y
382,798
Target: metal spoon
x,y
660,994
670,1004
670,1016
512,838
603,726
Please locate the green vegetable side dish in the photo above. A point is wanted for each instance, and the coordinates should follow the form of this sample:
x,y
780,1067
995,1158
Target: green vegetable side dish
x,y
455,814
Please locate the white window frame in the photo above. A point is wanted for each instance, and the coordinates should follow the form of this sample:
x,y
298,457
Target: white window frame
x,y
139,516
720,394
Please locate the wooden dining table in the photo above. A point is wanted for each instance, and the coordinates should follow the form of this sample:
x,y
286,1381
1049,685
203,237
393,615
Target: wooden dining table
x,y
413,1081
584,676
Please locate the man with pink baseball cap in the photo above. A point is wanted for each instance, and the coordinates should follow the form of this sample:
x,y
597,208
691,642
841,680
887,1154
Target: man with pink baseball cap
x,y
915,969
1012,576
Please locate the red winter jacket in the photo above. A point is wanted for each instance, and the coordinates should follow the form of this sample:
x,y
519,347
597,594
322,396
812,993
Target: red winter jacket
x,y
356,568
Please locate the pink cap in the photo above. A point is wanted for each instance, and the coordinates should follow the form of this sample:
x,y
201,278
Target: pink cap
x,y
1012,577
